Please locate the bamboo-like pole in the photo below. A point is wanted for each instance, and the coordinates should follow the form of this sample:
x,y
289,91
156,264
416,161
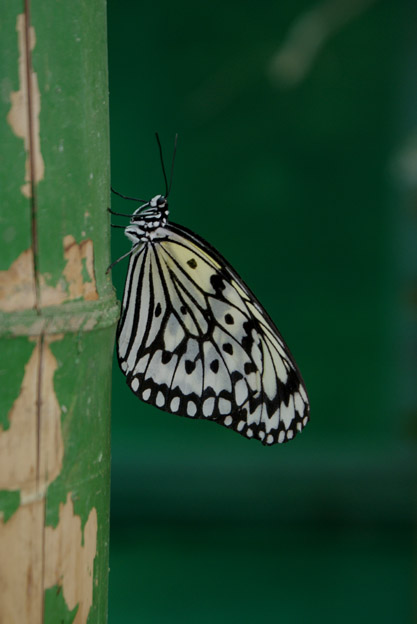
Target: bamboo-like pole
x,y
57,312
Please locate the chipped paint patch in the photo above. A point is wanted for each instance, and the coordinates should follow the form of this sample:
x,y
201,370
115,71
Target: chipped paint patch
x,y
18,114
69,558
80,257
17,285
17,291
19,444
65,558
21,589
31,458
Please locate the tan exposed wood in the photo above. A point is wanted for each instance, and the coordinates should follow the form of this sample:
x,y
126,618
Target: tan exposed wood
x,y
18,115
17,290
21,566
69,558
31,449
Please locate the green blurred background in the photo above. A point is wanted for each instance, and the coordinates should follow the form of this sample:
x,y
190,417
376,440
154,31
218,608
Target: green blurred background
x,y
297,161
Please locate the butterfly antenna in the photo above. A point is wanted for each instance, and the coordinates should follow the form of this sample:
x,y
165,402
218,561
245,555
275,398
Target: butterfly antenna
x,y
172,165
162,163
136,199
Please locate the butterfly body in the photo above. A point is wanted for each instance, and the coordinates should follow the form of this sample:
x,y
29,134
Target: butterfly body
x,y
193,339
147,220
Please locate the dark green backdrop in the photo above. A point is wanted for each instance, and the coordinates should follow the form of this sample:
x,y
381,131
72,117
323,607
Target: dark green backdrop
x,y
302,180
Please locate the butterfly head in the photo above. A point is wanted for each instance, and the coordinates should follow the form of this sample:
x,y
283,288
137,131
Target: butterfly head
x,y
159,201
147,219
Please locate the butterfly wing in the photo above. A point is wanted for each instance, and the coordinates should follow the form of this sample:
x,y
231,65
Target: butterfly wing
x,y
193,340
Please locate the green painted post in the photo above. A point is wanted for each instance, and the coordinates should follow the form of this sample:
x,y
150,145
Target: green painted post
x,y
57,312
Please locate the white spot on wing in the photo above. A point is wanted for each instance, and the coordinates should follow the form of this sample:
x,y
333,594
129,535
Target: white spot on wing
x,y
175,403
208,406
224,406
287,413
241,391
281,371
191,408
268,378
298,402
160,399
135,384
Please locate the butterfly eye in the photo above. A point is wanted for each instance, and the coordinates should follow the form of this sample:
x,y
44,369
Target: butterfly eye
x,y
161,201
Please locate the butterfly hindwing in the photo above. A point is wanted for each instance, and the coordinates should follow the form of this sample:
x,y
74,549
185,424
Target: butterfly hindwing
x,y
193,340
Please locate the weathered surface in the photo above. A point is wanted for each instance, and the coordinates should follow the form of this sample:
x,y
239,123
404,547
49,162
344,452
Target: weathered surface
x,y
57,314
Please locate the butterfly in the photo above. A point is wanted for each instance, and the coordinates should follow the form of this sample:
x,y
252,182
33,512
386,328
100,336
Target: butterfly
x,y
193,340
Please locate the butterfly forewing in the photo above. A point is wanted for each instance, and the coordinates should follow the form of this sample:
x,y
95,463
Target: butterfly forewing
x,y
193,340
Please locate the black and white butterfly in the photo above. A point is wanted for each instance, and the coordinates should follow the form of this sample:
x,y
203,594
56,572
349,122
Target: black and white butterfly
x,y
192,338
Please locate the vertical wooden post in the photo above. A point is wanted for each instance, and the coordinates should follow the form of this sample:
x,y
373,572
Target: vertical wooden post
x,y
57,312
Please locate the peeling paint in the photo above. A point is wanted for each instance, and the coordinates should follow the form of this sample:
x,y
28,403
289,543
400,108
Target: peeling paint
x,y
20,442
69,558
18,114
17,286
21,589
65,559
17,290
21,544
75,254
